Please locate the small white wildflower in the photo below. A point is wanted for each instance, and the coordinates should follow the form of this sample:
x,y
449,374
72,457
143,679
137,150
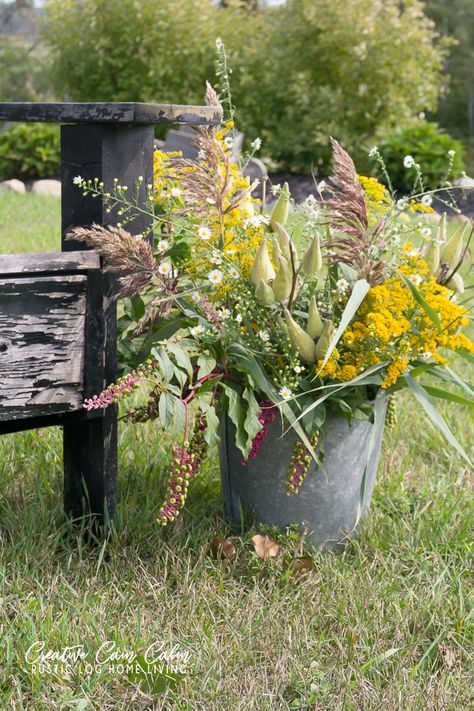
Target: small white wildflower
x,y
215,277
119,224
426,231
175,192
197,330
239,318
275,189
164,268
373,151
412,253
298,369
163,245
215,260
210,201
396,239
426,355
256,144
416,279
230,250
286,393
228,141
264,336
78,180
234,273
195,298
224,314
256,221
427,200
201,154
322,185
409,161
204,233
342,285
451,153
401,204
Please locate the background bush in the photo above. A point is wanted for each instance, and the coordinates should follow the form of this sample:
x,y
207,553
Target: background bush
x,y
29,151
429,146
303,70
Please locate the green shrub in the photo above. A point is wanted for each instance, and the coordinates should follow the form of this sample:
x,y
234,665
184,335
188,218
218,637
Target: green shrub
x,y
29,151
429,146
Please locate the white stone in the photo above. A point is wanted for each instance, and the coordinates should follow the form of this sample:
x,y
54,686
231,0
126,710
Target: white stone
x,y
47,187
12,186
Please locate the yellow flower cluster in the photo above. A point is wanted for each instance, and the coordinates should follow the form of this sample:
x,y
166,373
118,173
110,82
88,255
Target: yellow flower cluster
x,y
377,197
391,327
415,206
163,176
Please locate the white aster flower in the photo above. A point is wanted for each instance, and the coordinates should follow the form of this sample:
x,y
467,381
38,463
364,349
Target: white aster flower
x,y
228,141
275,189
165,268
256,221
175,192
286,393
264,336
215,277
427,200
416,279
408,161
239,318
298,369
224,314
234,273
322,185
197,330
412,253
256,144
163,245
230,250
215,260
373,151
426,355
342,284
204,232
195,298
401,204
426,231
78,180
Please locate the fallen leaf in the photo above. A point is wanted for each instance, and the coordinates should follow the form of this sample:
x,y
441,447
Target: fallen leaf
x,y
301,565
222,548
264,547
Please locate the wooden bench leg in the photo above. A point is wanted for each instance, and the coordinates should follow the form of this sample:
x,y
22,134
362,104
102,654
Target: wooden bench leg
x,y
90,467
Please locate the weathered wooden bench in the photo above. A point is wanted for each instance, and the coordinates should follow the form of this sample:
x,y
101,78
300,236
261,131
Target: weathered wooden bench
x,y
57,314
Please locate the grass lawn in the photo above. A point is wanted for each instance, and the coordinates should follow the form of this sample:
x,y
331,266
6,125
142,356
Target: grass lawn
x,y
384,625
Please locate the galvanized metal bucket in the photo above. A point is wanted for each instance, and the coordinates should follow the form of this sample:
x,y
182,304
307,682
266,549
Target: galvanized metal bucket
x,y
331,496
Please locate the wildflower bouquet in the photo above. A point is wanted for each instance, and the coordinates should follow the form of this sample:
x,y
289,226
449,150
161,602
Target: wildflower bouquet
x,y
327,306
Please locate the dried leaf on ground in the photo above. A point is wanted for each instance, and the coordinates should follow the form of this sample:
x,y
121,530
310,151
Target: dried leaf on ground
x,y
264,547
301,566
222,548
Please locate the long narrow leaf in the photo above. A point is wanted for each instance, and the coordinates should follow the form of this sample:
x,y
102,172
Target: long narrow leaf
x,y
430,312
425,400
359,291
446,395
457,379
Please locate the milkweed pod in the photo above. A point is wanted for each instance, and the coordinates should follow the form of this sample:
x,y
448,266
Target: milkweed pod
x,y
262,267
282,208
282,325
325,340
300,340
315,324
276,251
441,232
264,294
432,256
312,260
452,252
456,283
282,283
285,242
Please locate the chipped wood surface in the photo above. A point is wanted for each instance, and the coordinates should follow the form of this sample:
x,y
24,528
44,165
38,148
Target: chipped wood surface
x,y
104,112
48,262
42,344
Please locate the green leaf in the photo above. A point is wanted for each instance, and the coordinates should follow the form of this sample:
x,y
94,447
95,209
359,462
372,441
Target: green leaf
x,y
166,366
252,424
182,358
446,395
237,414
430,312
457,379
359,291
211,433
178,421
206,364
166,409
424,399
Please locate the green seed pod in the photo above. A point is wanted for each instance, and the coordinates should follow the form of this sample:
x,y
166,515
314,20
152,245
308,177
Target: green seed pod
x,y
452,252
282,325
285,242
441,232
456,283
315,324
300,340
324,340
433,256
276,250
282,283
312,260
262,267
282,208
264,294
